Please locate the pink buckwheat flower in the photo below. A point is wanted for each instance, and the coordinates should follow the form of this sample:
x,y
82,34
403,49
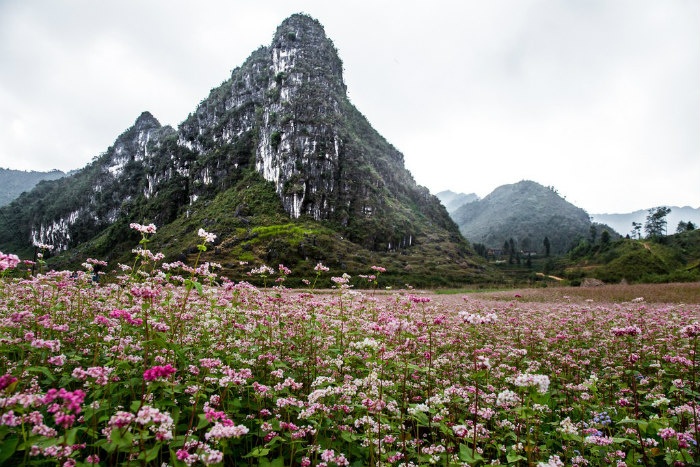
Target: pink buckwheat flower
x,y
219,431
8,261
145,291
6,380
417,299
157,371
207,236
144,229
626,331
328,455
691,330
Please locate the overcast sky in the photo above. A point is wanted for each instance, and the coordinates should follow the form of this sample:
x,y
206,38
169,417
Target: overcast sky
x,y
600,98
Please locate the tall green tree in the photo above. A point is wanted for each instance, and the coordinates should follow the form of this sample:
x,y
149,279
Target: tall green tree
x,y
547,246
636,230
511,249
655,225
685,226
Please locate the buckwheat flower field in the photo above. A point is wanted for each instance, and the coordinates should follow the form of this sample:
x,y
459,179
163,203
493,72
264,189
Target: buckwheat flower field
x,y
171,365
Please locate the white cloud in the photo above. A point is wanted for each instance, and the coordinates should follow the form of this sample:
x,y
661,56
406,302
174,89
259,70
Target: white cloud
x,y
600,99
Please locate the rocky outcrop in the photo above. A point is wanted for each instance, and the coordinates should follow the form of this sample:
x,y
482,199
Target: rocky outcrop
x,y
77,207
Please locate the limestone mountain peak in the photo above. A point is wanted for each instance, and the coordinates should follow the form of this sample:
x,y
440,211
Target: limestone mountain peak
x,y
278,143
300,47
146,121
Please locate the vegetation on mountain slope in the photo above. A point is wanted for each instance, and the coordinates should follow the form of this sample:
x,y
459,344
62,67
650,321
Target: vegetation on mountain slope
x,y
15,182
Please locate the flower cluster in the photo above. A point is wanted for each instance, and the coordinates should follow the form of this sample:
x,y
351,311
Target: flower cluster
x,y
8,261
98,373
157,371
341,281
207,237
126,316
262,270
626,331
157,422
144,229
64,413
475,318
527,379
419,299
691,330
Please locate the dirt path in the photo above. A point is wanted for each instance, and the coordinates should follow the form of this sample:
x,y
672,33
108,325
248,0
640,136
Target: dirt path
x,y
550,277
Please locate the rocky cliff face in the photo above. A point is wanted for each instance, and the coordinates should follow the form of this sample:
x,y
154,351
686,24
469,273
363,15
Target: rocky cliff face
x,y
287,99
325,160
283,114
75,208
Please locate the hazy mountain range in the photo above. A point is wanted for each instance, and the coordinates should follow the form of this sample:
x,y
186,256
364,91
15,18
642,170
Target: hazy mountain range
x,y
528,211
622,223
14,182
525,213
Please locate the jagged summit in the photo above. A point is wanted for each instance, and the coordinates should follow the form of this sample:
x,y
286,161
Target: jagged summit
x,y
146,121
278,143
300,47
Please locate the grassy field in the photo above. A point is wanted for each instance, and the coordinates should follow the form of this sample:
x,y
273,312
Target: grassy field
x,y
684,292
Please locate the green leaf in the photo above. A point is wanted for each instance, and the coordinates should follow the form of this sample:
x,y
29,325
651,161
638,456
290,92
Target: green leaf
x,y
626,420
152,453
71,435
643,426
514,457
258,452
278,462
122,440
468,455
106,445
623,440
41,369
202,421
7,448
421,418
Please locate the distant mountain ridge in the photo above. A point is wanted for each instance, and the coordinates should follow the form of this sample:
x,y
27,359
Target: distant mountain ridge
x,y
482,223
622,223
526,212
14,182
453,201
